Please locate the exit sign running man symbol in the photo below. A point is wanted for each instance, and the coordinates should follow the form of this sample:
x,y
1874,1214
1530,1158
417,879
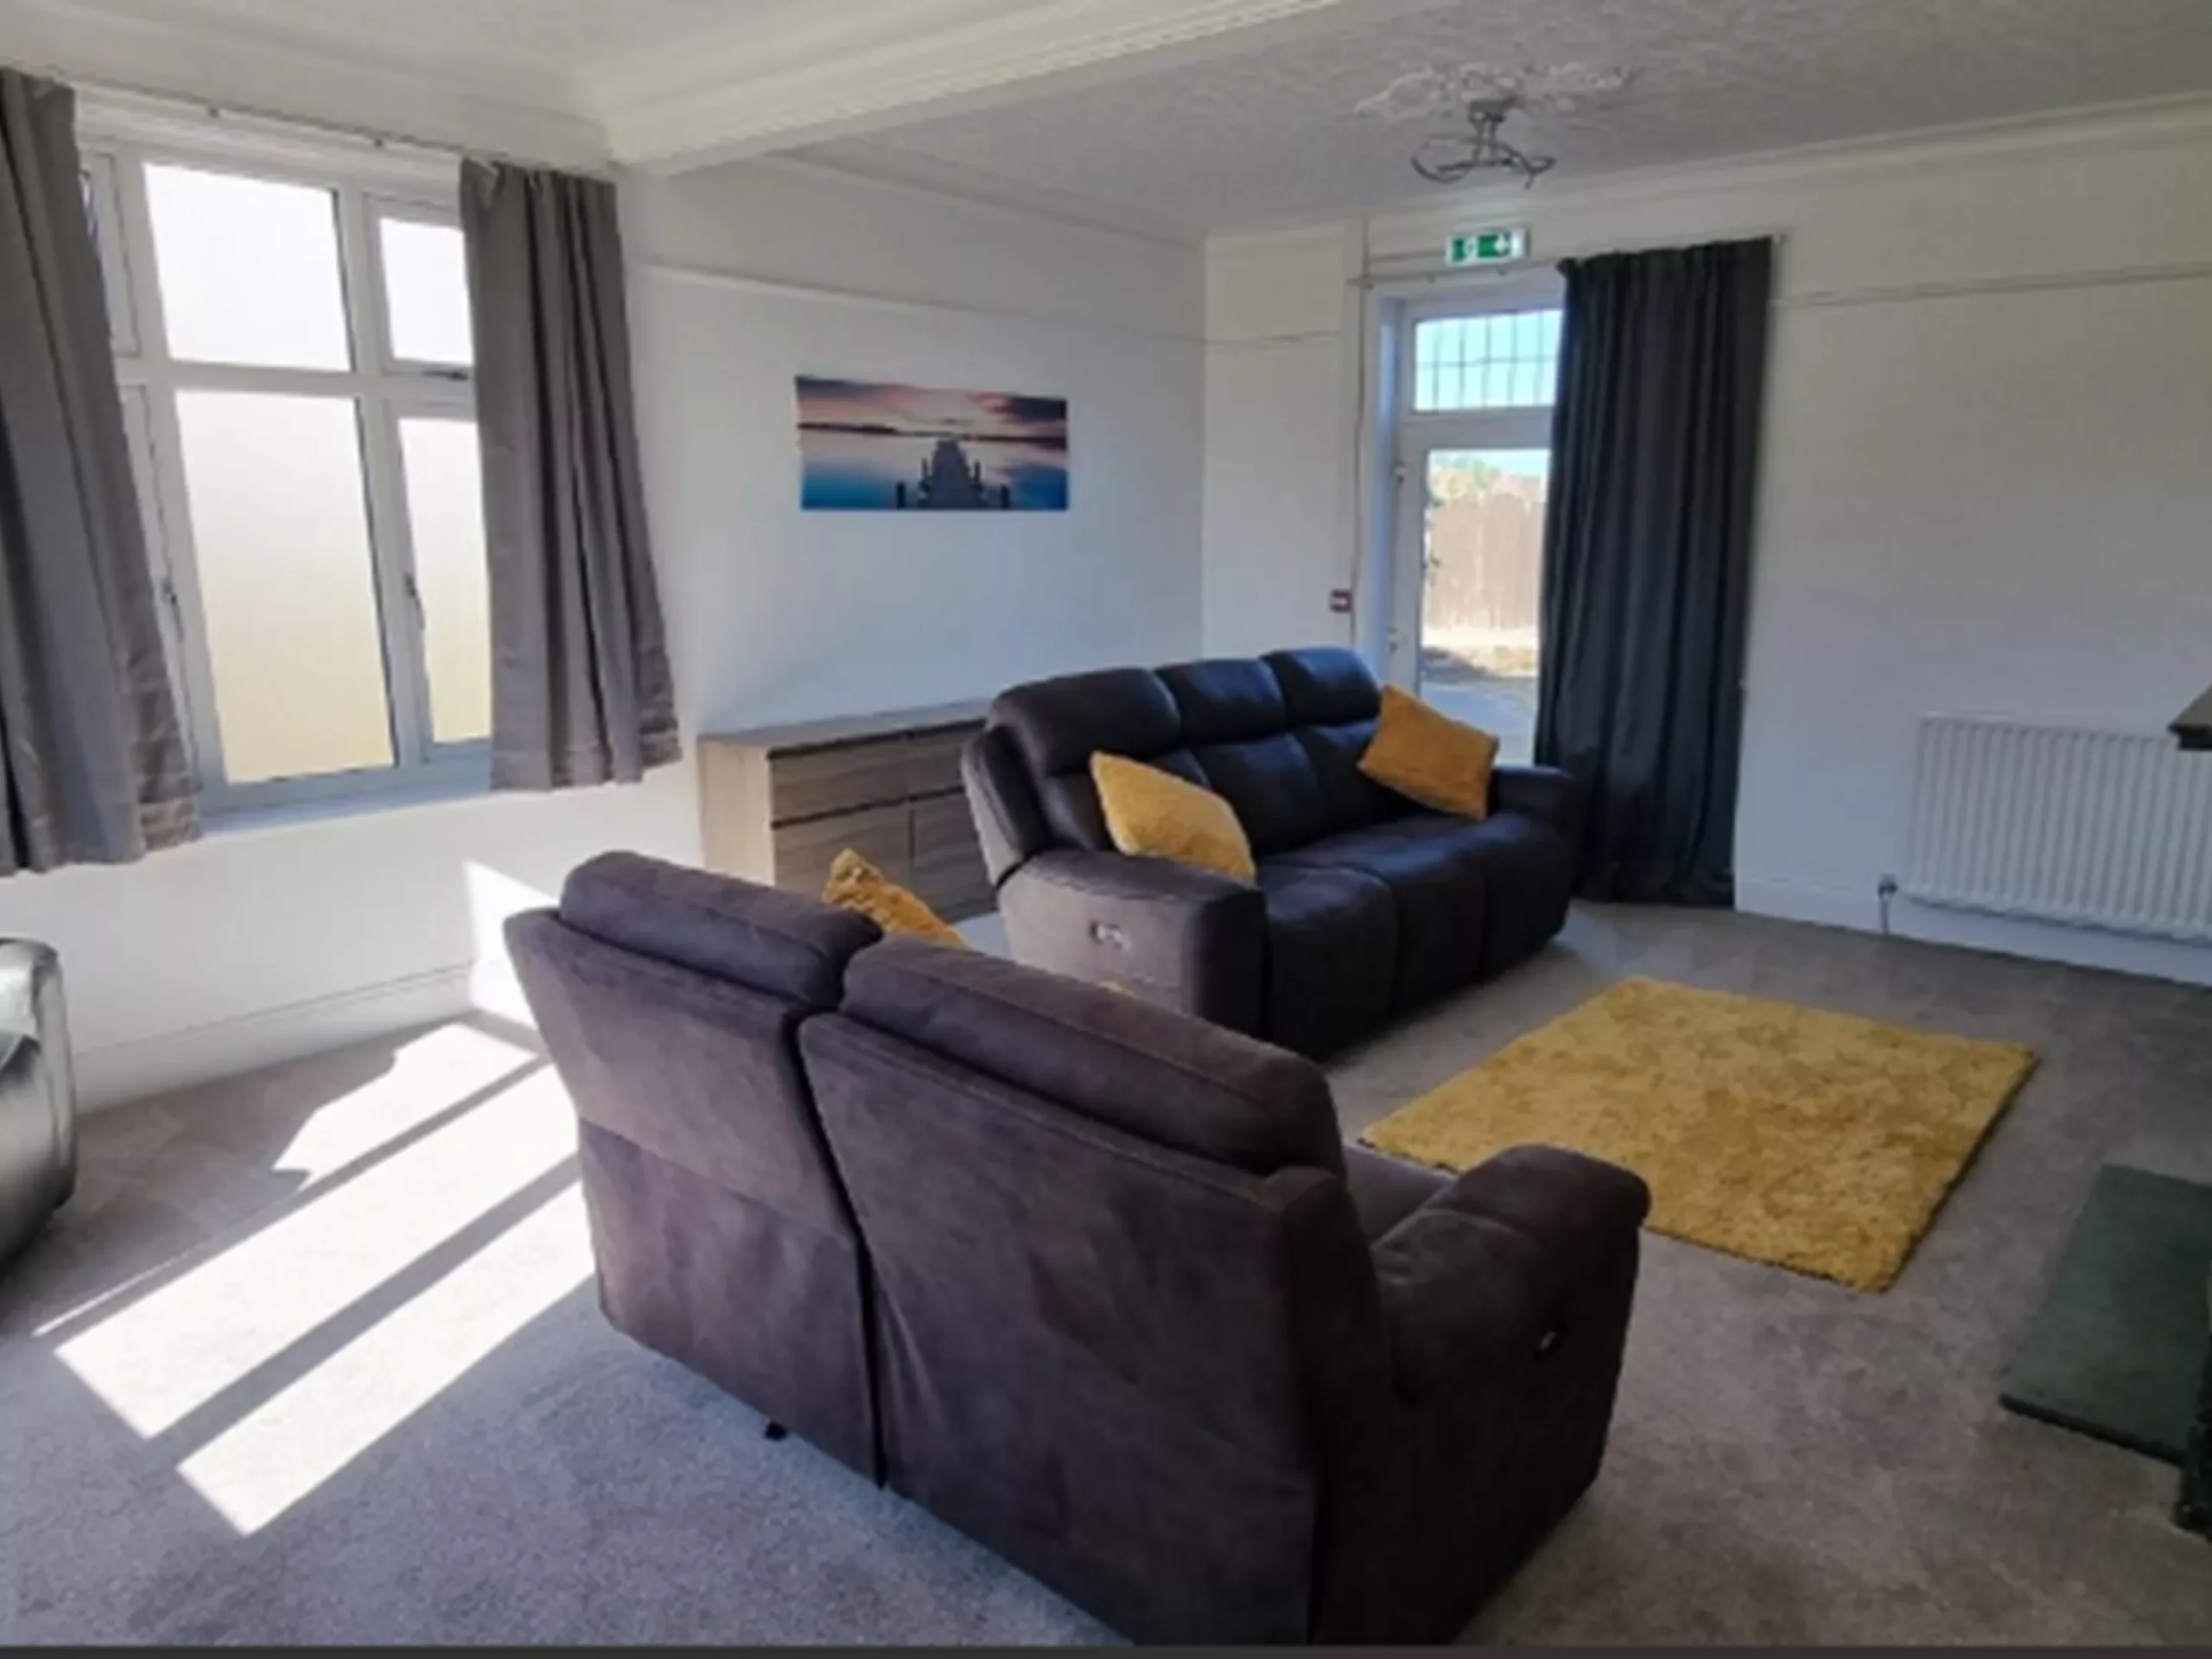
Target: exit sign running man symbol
x,y
1492,247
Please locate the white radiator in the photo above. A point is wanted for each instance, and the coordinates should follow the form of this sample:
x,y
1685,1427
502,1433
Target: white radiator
x,y
2099,829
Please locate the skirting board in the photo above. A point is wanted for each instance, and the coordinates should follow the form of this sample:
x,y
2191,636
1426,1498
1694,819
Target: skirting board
x,y
178,1060
2080,947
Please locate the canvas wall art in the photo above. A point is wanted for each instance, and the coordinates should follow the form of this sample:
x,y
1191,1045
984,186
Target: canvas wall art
x,y
870,448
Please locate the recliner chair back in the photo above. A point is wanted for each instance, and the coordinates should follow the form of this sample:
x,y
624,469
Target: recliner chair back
x,y
671,1001
1125,1311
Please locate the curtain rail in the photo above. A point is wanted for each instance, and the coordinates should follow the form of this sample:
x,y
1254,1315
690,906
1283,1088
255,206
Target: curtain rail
x,y
98,91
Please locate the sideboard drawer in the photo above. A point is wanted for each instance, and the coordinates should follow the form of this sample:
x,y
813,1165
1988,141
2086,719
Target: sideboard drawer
x,y
949,871
842,777
805,851
933,761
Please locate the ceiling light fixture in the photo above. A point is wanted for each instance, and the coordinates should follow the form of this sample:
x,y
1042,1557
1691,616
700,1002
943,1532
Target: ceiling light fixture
x,y
1483,96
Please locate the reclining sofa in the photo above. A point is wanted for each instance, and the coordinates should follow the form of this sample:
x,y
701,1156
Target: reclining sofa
x,y
1095,1282
1366,905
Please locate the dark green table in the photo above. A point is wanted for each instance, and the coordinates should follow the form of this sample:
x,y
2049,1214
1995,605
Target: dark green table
x,y
2194,1509
2121,1345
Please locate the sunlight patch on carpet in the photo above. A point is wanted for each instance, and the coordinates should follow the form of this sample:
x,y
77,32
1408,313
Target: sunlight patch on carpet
x,y
176,1349
290,1444
1817,1142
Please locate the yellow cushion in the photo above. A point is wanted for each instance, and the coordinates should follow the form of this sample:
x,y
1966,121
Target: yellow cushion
x,y
855,884
1443,763
1154,814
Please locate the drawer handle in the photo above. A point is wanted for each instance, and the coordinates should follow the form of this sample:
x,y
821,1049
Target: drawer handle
x,y
1109,936
1548,1342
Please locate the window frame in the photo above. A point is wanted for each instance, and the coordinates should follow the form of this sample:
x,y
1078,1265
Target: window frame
x,y
102,173
1411,433
378,205
383,389
1516,426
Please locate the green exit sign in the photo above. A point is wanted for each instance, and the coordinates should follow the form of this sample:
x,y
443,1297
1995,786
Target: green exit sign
x,y
1493,247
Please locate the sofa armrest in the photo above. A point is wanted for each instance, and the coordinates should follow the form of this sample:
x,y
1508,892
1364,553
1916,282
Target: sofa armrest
x,y
1009,824
1184,938
1483,1272
1544,794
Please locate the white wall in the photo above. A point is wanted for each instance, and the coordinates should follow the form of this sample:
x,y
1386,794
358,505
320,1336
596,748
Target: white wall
x,y
749,277
1987,484
1282,415
255,946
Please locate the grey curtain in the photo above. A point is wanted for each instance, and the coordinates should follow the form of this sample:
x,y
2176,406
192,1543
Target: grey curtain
x,y
93,766
1648,561
581,692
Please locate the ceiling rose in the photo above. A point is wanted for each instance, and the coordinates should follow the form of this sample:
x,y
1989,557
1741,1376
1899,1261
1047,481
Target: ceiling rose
x,y
1478,98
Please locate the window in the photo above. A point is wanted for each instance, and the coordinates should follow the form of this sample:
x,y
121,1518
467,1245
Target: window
x,y
104,213
1507,359
1474,463
293,344
426,291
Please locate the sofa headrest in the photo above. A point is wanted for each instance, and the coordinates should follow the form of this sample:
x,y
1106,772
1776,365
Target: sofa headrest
x,y
1228,700
1058,725
783,943
1327,685
1163,1076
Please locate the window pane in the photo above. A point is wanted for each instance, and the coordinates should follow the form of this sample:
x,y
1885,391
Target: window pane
x,y
96,183
90,194
1503,360
249,270
445,508
426,291
101,251
286,588
1482,589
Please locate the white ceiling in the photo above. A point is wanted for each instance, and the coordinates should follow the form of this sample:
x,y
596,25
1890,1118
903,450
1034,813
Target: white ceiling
x,y
668,84
1177,115
1270,134
555,43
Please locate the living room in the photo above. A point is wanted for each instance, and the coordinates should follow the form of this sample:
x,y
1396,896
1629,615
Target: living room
x,y
313,1350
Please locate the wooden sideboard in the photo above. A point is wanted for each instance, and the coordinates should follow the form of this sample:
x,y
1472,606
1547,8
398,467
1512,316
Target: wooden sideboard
x,y
777,805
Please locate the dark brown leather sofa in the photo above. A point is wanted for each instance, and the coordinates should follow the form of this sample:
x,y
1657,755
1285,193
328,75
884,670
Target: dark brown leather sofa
x,y
1095,1282
1366,905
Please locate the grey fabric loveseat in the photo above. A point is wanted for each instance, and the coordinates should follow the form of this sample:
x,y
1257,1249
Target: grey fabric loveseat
x,y
1366,905
1094,1281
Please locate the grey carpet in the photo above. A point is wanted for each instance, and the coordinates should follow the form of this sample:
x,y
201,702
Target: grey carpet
x,y
306,1361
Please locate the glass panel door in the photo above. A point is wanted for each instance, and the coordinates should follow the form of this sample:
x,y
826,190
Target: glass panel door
x,y
1482,570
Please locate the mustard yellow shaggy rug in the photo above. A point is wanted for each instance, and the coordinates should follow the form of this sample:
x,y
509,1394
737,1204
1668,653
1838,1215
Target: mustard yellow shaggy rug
x,y
1817,1142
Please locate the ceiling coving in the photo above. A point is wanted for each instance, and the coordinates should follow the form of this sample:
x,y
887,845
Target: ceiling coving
x,y
1482,96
